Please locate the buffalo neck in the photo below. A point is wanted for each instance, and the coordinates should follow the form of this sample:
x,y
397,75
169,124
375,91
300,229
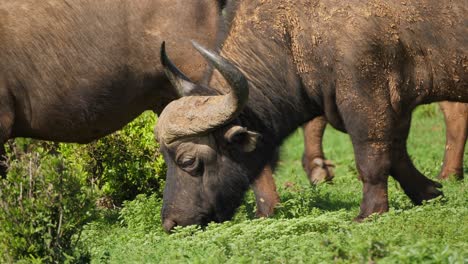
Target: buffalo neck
x,y
277,101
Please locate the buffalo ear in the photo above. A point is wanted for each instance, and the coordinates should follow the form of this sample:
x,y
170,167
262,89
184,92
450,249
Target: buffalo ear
x,y
242,137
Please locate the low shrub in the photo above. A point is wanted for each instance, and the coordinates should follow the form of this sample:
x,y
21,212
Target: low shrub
x,y
52,190
43,206
123,164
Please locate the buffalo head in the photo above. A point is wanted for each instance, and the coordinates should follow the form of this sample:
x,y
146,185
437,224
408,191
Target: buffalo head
x,y
210,157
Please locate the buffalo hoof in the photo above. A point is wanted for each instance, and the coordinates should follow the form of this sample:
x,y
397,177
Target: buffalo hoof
x,y
451,174
168,225
364,214
266,208
372,204
427,191
320,170
361,218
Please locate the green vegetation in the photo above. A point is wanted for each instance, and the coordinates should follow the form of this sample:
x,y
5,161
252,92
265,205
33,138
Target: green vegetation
x,y
43,206
124,164
53,190
312,224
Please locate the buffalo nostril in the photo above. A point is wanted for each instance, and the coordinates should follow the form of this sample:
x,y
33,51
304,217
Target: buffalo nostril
x,y
168,225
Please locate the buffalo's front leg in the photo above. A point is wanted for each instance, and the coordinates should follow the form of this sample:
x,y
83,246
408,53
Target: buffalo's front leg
x,y
317,168
370,126
456,121
417,186
266,197
373,164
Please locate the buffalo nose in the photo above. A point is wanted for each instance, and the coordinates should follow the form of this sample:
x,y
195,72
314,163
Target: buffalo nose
x,y
169,224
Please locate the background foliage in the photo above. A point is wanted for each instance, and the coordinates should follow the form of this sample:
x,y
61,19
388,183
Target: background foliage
x,y
53,190
124,164
43,205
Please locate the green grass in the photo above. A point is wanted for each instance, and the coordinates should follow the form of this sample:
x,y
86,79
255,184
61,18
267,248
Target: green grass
x,y
312,224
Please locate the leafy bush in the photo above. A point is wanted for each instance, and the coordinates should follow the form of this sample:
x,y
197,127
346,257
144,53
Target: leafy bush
x,y
124,164
47,198
42,206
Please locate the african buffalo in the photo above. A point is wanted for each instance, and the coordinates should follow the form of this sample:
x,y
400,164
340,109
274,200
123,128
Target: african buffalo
x,y
364,65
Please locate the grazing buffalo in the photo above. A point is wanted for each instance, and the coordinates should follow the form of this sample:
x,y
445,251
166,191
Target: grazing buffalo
x,y
364,65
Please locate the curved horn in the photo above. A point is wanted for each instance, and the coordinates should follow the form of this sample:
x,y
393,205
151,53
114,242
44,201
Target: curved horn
x,y
235,78
195,115
179,81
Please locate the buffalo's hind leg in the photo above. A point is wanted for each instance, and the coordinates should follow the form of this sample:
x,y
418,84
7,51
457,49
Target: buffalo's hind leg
x,y
317,168
456,122
417,186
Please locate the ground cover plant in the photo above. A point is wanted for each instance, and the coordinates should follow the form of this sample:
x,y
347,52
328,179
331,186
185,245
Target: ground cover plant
x,y
312,224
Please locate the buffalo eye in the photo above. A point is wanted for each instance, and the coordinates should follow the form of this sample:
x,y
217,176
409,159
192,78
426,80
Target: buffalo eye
x,y
189,164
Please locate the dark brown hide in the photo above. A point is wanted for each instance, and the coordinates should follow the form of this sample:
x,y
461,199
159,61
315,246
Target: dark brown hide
x,y
371,72
77,70
318,169
74,71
